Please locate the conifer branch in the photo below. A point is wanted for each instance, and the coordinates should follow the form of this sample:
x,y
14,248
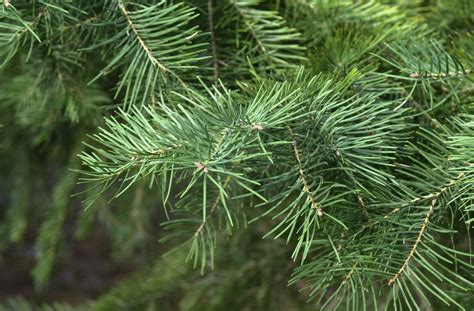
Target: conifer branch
x,y
268,42
349,275
303,179
249,26
139,38
434,196
415,245
362,147
215,61
395,210
437,194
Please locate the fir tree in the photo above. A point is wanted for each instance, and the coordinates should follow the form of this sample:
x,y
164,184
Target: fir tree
x,y
325,145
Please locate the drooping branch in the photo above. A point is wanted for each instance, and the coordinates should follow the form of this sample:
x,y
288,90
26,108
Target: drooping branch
x,y
211,211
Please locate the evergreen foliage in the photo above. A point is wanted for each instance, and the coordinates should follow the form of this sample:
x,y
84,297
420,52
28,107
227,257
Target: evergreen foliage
x,y
325,145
